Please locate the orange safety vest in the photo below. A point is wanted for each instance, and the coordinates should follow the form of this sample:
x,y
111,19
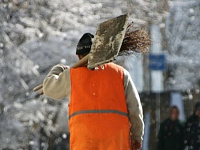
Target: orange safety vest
x,y
98,115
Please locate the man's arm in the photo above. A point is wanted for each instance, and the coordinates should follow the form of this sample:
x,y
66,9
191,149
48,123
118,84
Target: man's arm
x,y
134,108
57,83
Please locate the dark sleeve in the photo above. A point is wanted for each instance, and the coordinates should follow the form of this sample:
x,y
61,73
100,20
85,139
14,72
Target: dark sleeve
x,y
182,128
160,143
187,133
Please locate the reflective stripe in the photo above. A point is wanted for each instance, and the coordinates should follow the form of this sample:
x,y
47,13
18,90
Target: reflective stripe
x,y
97,111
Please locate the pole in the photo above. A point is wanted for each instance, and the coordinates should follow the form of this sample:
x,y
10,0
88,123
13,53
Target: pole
x,y
157,112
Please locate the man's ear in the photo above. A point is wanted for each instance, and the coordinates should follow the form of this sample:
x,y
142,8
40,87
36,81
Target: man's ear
x,y
79,56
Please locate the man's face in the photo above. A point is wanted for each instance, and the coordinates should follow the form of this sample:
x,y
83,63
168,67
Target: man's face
x,y
80,57
174,114
198,112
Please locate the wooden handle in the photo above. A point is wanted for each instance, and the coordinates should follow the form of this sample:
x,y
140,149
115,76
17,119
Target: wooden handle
x,y
37,87
80,63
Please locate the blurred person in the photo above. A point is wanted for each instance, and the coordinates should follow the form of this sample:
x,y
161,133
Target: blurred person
x,y
192,130
170,136
103,104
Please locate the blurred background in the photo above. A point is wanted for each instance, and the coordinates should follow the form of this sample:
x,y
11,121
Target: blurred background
x,y
37,34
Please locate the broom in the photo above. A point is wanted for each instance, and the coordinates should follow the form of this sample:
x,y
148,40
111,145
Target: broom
x,y
135,40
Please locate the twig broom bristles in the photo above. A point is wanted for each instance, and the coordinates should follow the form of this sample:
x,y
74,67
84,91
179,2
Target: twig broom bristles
x,y
136,40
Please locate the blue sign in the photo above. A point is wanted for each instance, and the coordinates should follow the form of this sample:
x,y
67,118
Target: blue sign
x,y
157,62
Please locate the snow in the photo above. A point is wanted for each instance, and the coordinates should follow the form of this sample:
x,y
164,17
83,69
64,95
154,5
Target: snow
x,y
183,45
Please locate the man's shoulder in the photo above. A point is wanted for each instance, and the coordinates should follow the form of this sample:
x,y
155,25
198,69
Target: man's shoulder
x,y
78,69
114,66
191,119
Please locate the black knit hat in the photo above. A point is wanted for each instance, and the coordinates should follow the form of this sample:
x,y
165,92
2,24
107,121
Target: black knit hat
x,y
84,44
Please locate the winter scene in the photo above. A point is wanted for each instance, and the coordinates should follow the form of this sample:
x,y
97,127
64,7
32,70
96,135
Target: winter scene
x,y
99,75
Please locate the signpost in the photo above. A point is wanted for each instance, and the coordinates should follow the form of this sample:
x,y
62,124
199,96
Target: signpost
x,y
157,62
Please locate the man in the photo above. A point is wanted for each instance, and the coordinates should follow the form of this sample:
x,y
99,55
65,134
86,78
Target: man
x,y
170,136
192,130
103,104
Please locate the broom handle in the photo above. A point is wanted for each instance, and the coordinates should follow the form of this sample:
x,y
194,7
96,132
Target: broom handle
x,y
80,63
37,87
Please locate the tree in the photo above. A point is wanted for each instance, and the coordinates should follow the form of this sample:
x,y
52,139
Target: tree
x,y
183,35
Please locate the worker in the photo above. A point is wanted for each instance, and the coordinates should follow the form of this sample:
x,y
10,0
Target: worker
x,y
105,111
